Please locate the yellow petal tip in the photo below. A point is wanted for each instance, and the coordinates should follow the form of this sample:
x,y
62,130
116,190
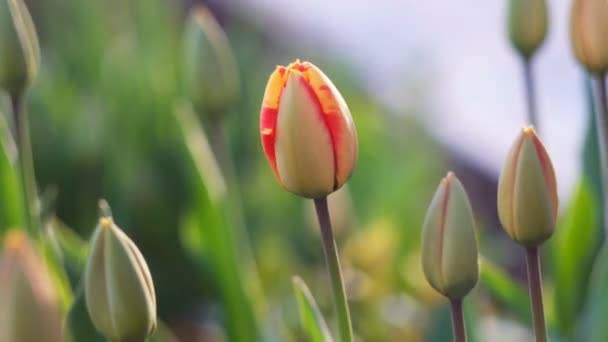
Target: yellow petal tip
x,y
14,240
105,222
529,131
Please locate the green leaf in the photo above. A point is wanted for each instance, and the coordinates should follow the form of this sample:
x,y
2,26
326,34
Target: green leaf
x,y
505,290
79,323
574,246
12,213
218,239
594,327
70,247
312,321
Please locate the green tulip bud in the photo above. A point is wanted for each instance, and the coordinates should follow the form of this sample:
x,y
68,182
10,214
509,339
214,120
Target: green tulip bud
x,y
29,305
527,25
210,69
119,291
449,244
19,51
589,33
527,191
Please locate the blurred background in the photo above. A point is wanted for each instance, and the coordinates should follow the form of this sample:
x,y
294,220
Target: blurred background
x,y
432,87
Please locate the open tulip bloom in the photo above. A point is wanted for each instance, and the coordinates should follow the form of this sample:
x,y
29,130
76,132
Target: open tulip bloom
x,y
310,141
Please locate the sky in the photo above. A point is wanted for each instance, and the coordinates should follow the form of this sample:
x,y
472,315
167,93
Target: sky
x,y
458,51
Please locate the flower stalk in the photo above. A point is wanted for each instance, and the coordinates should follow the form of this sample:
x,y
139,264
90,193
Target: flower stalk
x,y
535,286
458,327
335,272
601,121
530,92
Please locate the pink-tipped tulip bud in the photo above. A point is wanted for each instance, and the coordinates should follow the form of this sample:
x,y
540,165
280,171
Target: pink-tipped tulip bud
x,y
29,305
307,131
19,50
589,34
449,244
527,25
118,286
527,191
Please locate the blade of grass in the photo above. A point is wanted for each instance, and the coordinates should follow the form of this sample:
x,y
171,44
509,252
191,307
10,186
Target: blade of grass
x,y
12,213
219,237
505,290
310,316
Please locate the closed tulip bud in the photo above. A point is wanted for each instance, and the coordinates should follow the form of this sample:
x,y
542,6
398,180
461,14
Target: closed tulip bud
x,y
589,33
307,131
119,291
210,70
527,25
527,191
29,305
19,51
449,243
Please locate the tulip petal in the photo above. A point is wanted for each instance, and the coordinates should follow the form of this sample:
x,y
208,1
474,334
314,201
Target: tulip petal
x,y
506,186
338,120
449,244
534,209
459,259
589,28
304,152
268,115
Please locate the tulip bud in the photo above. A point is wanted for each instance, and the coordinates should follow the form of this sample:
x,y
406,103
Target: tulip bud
x,y
527,25
210,69
19,51
589,33
449,243
527,191
307,131
29,306
119,291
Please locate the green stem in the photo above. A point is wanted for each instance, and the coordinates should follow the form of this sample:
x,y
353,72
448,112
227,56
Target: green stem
x,y
335,273
601,121
530,93
535,285
26,164
458,328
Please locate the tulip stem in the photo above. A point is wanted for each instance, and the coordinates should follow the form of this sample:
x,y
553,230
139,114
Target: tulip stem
x,y
535,285
335,272
458,328
601,123
26,164
530,93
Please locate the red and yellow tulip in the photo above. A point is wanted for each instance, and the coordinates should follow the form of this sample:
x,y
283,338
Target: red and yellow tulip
x,y
307,131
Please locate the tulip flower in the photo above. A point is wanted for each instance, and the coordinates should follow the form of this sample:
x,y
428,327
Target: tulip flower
x,y
310,142
29,305
527,25
449,247
19,51
589,29
449,244
527,191
307,131
527,208
527,31
210,70
118,286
